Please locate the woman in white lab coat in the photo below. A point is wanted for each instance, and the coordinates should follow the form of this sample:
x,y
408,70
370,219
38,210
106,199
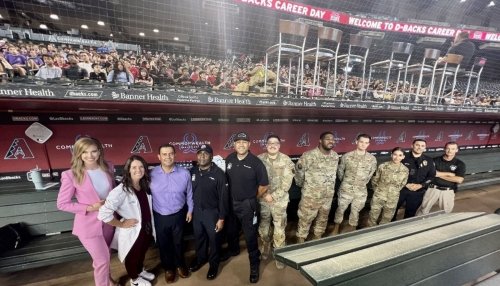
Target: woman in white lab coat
x,y
131,200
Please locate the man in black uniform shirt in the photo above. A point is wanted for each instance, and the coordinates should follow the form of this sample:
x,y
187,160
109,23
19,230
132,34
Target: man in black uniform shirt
x,y
422,171
210,199
450,172
247,178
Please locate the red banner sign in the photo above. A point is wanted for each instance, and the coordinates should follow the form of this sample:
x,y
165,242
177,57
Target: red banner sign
x,y
367,23
20,153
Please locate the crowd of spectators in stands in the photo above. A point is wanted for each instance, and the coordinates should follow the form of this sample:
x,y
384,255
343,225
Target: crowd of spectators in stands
x,y
232,75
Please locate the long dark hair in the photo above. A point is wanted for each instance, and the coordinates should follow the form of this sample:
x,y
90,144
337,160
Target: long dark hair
x,y
127,179
116,70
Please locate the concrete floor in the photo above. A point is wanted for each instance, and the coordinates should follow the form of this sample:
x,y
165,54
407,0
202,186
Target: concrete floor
x,y
233,272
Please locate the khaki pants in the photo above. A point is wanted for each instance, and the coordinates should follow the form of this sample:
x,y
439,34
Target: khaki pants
x,y
445,198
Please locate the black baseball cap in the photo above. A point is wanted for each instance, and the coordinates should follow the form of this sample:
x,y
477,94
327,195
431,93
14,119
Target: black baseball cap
x,y
206,148
242,136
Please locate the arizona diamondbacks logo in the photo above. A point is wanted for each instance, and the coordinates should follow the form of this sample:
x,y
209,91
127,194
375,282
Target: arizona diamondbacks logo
x,y
142,145
439,137
230,142
401,137
354,140
304,140
470,135
19,149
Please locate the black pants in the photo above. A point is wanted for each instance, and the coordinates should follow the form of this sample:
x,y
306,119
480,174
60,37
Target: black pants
x,y
169,234
242,216
134,261
207,240
413,201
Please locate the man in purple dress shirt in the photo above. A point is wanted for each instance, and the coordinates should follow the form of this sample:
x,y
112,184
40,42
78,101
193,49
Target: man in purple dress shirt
x,y
171,189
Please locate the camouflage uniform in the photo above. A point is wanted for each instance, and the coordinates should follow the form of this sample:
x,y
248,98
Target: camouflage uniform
x,y
315,173
387,183
355,171
280,172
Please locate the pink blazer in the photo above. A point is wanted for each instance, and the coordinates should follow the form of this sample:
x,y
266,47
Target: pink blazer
x,y
86,223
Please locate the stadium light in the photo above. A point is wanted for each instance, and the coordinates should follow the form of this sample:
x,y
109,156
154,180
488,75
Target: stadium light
x,y
43,26
142,34
492,3
54,17
1,17
84,26
100,23
111,35
176,38
462,1
156,30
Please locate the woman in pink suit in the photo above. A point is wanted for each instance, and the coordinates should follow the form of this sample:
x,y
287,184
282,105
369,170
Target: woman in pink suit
x,y
89,180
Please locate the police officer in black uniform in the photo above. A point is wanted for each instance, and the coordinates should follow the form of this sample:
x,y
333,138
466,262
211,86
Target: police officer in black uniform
x,y
450,172
211,201
422,171
247,178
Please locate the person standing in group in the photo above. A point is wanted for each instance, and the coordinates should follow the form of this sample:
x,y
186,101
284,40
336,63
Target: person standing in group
x,y
450,171
421,172
89,180
247,178
211,201
355,170
131,200
315,172
389,179
171,189
273,204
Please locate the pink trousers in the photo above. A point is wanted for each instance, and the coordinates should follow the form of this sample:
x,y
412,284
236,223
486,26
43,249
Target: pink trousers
x,y
98,248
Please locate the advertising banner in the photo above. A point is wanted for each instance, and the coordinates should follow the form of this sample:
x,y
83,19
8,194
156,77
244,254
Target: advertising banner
x,y
328,15
19,153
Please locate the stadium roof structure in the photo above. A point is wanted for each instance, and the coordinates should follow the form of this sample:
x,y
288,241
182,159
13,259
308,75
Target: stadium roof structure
x,y
218,28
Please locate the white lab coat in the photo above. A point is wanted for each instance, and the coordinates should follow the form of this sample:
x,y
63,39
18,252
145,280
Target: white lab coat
x,y
127,206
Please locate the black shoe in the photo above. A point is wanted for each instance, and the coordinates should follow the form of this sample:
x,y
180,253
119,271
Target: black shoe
x,y
196,266
254,274
212,272
228,255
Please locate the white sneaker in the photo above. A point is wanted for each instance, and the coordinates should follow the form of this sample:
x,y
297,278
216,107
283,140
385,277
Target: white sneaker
x,y
147,275
139,282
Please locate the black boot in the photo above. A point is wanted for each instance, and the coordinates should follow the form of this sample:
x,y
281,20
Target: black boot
x,y
254,273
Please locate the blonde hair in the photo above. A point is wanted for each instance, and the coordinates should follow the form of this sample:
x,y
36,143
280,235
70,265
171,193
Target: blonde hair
x,y
77,165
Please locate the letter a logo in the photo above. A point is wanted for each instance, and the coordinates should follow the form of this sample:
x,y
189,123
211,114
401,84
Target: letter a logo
x,y
142,145
230,142
402,137
304,140
19,149
439,137
470,135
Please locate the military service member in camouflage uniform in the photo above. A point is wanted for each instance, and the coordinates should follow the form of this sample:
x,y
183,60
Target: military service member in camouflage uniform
x,y
315,173
355,171
389,179
273,203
